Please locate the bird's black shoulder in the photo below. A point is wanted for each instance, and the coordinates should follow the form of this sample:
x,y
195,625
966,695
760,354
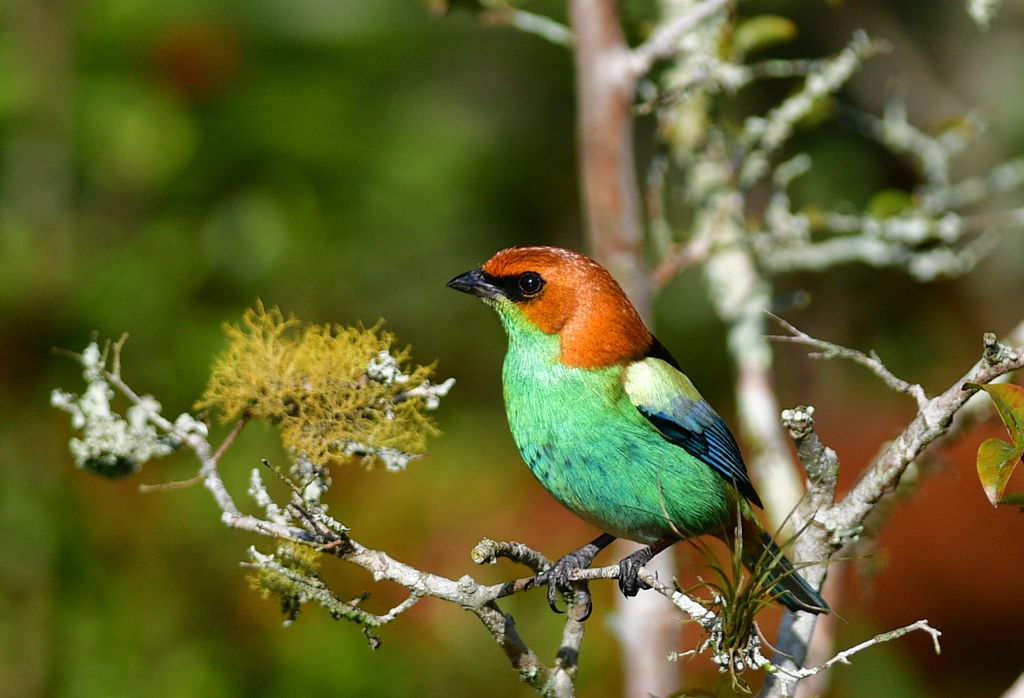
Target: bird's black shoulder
x,y
657,350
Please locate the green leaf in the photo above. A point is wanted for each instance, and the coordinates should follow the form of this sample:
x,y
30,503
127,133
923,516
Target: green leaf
x,y
1009,401
996,461
1014,499
997,458
762,31
889,202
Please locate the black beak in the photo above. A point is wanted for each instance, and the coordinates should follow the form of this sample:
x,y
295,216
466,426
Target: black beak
x,y
475,283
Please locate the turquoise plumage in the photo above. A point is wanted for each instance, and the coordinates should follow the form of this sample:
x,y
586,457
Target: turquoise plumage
x,y
609,424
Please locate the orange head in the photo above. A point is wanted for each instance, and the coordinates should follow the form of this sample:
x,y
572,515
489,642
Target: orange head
x,y
563,292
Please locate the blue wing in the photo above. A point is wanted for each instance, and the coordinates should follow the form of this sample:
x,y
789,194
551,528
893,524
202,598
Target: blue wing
x,y
668,400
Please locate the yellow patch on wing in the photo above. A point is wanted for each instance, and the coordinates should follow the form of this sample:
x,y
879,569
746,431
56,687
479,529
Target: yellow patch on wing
x,y
654,384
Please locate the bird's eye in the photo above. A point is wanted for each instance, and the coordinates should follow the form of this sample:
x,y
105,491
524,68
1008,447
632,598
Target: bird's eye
x,y
530,283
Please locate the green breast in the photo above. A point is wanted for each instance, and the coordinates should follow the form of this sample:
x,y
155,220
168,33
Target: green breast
x,y
591,448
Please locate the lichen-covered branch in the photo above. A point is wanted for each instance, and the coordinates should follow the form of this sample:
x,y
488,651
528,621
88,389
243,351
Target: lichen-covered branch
x,y
820,462
924,232
305,534
763,136
836,524
931,422
674,36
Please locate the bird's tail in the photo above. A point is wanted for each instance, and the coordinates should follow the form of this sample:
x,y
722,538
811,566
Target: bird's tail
x,y
761,555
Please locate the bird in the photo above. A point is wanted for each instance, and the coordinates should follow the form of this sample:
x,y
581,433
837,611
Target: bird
x,y
610,425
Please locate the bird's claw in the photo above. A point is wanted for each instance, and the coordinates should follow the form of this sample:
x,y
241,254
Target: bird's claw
x,y
557,578
629,568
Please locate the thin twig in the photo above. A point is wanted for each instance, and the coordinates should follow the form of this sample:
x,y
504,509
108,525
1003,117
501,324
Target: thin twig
x,y
488,551
844,656
828,350
173,484
228,440
694,252
500,12
206,467
664,42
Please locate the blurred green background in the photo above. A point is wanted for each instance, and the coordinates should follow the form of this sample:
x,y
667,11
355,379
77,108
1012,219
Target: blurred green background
x,y
165,164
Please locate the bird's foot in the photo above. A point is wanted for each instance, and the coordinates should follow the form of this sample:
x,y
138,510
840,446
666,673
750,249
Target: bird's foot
x,y
557,576
629,566
557,579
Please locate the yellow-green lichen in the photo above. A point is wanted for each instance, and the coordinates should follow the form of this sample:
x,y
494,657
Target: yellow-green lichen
x,y
335,392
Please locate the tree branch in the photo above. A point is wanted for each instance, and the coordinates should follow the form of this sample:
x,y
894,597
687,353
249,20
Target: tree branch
x,y
669,39
606,79
784,679
836,524
605,84
828,350
931,422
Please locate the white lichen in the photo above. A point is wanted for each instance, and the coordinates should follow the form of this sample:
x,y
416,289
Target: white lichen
x,y
186,424
258,491
313,479
393,459
431,392
110,444
384,368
